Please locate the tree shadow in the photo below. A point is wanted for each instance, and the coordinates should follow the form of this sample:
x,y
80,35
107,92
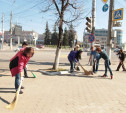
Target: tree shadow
x,y
3,100
7,88
1,75
7,91
47,63
1,60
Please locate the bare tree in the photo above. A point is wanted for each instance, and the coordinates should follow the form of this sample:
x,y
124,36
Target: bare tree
x,y
66,11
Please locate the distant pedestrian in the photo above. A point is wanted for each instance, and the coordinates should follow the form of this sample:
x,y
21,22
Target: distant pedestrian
x,y
107,62
24,45
18,63
122,59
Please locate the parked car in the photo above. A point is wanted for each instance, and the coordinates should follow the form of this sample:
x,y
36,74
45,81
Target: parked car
x,y
40,46
86,49
116,50
18,49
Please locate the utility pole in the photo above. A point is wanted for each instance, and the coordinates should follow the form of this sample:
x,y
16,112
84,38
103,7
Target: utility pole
x,y
11,31
2,30
109,39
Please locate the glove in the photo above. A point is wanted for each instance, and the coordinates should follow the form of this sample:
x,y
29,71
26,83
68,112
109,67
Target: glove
x,y
22,78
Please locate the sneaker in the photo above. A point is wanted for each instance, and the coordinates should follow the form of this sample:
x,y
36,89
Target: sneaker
x,y
111,76
104,75
73,74
21,92
22,87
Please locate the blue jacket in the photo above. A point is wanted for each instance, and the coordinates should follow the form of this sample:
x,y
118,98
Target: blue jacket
x,y
72,56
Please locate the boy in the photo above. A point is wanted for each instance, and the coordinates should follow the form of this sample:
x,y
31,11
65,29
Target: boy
x,y
122,59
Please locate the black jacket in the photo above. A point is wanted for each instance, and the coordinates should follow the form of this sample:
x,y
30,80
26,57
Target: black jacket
x,y
121,56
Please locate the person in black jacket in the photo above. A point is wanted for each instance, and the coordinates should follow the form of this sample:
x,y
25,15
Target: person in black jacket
x,y
107,61
122,59
78,57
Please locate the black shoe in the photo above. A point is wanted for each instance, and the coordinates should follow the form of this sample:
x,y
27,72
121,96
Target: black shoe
x,y
117,70
22,87
21,92
26,76
78,69
124,70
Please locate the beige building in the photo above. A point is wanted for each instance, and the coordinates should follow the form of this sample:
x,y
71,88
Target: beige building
x,y
28,36
101,38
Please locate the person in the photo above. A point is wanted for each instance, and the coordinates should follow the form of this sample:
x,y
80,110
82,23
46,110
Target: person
x,y
76,48
122,59
78,57
73,58
24,45
106,58
95,56
18,63
97,62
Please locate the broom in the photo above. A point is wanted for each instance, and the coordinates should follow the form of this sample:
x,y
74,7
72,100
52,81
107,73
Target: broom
x,y
34,75
12,105
85,71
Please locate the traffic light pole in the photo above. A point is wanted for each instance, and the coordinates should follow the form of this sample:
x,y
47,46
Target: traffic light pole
x,y
109,39
93,23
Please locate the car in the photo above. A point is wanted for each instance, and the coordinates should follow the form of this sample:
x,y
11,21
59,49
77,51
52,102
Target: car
x,y
18,49
86,49
116,50
40,46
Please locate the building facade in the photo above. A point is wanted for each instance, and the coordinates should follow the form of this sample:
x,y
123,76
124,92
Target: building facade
x,y
101,38
29,36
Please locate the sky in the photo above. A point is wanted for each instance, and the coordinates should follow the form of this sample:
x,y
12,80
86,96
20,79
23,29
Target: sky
x,y
27,14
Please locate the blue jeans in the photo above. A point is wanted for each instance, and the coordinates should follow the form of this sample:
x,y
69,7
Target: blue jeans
x,y
107,62
71,66
97,65
17,81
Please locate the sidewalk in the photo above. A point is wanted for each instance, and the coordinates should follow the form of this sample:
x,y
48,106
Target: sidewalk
x,y
64,94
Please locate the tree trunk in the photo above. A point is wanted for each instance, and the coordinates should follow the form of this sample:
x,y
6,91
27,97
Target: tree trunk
x,y
58,50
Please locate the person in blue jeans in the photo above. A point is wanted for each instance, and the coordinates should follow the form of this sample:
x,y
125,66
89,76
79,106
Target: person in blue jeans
x,y
97,62
95,56
72,60
107,62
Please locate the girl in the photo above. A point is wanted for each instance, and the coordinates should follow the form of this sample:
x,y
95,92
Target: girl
x,y
18,63
107,62
73,58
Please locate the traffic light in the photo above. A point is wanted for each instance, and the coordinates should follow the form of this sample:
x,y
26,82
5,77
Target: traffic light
x,y
89,24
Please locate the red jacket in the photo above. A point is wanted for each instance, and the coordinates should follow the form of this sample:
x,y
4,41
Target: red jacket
x,y
18,62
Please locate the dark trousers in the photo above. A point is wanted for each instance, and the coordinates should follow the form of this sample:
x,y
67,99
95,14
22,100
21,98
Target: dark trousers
x,y
17,81
121,64
71,66
107,66
95,65
25,72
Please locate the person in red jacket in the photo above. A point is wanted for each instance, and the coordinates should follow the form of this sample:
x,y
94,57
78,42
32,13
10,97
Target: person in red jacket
x,y
18,63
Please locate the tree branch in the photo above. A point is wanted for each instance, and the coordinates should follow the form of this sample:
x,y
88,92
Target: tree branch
x,y
57,7
72,6
67,3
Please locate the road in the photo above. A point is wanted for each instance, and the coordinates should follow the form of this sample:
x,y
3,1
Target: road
x,y
63,94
